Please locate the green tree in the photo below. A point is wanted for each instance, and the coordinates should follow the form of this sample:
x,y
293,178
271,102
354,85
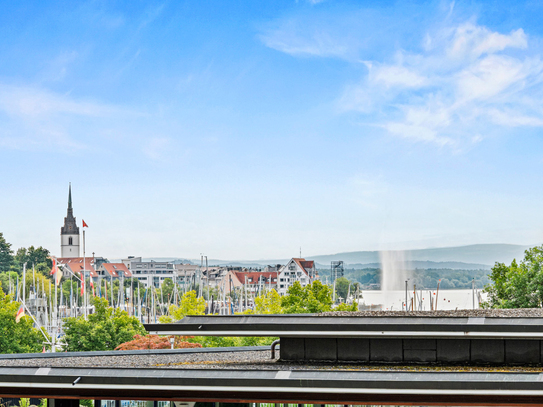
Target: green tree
x,y
166,289
519,285
346,307
189,305
342,288
6,254
268,303
32,256
5,280
104,330
312,298
17,337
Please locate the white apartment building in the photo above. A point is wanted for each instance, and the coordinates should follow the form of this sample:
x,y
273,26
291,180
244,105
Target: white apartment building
x,y
150,272
296,269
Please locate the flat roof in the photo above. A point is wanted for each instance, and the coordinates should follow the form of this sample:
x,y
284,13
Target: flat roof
x,y
249,375
307,325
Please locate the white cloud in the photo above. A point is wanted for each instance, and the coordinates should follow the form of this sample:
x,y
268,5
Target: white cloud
x,y
444,91
36,118
472,41
397,76
34,103
491,76
463,82
511,118
318,41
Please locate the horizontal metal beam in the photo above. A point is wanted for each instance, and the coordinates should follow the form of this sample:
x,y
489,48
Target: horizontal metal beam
x,y
315,326
139,352
359,334
271,385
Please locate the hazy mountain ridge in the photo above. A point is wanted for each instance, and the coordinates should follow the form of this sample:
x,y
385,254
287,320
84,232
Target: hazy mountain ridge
x,y
420,264
479,254
469,257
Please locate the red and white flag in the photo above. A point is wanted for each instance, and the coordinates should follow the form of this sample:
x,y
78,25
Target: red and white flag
x,y
84,224
54,266
55,271
20,314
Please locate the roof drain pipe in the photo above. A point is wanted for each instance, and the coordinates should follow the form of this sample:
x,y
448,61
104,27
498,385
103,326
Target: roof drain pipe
x,y
273,345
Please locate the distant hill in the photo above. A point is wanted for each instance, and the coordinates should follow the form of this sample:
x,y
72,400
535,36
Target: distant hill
x,y
479,254
471,257
419,264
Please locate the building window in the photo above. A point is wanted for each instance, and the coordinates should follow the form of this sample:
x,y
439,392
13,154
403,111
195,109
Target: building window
x,y
70,241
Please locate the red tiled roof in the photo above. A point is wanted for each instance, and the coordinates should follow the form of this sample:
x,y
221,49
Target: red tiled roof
x,y
308,264
116,269
299,263
253,276
76,264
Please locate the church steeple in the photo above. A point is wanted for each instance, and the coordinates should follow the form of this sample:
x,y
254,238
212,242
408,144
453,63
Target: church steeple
x,y
69,233
70,197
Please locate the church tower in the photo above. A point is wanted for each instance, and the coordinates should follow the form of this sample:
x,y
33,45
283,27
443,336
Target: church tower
x,y
69,233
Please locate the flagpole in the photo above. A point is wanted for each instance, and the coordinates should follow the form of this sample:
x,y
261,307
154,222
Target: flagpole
x,y
56,312
24,281
84,277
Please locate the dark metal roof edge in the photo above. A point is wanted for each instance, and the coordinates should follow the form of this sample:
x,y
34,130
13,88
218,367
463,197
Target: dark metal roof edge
x,y
129,352
292,376
312,370
380,316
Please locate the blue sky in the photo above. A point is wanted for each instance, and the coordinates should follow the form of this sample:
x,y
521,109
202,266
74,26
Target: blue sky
x,y
249,129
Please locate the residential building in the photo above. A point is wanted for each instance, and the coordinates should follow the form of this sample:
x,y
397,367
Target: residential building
x,y
150,272
76,265
186,274
114,271
297,269
255,282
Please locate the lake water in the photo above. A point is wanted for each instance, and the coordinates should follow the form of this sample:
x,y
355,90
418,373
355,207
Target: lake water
x,y
393,300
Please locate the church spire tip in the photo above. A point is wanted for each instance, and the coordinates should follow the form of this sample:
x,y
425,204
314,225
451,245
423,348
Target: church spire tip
x,y
70,197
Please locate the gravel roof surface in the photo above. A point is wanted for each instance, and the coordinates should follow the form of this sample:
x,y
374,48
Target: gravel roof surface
x,y
504,313
250,360
185,360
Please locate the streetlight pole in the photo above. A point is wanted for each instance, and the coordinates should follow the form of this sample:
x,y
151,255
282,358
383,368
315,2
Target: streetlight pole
x,y
200,289
207,279
405,295
473,292
84,278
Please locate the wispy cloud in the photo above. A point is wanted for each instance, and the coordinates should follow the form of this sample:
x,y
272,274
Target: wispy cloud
x,y
33,103
299,40
453,86
320,32
463,82
32,117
